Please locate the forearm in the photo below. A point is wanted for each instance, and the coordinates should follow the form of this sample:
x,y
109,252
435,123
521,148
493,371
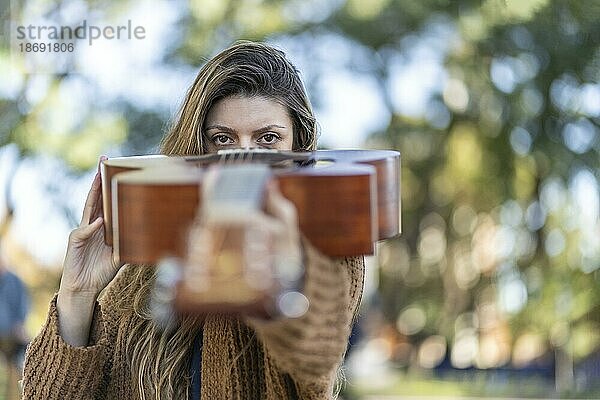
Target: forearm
x,y
311,347
75,314
56,370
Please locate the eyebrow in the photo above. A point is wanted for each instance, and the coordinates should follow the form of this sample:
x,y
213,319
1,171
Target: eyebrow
x,y
221,127
230,130
267,128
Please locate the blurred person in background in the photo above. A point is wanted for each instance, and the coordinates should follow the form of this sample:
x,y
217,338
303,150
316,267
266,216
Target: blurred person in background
x,y
109,347
14,306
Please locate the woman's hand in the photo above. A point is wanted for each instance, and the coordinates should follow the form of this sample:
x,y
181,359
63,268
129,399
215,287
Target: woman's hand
x,y
89,264
223,254
284,221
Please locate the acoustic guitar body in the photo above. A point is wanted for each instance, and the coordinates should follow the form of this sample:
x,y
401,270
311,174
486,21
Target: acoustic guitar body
x,y
346,199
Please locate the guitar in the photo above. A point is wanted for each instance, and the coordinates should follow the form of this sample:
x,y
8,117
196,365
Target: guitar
x,y
157,208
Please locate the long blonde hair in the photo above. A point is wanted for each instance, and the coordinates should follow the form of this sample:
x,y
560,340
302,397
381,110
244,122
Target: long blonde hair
x,y
160,359
244,69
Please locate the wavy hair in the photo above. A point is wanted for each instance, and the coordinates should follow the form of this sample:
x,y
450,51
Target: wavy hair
x,y
160,359
244,69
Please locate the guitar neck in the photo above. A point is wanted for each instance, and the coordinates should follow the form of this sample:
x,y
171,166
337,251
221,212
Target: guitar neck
x,y
233,191
265,156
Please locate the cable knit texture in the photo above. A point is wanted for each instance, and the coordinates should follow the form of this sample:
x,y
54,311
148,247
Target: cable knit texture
x,y
242,358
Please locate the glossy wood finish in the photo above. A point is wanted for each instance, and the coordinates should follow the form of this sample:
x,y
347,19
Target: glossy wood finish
x,y
387,166
110,168
343,206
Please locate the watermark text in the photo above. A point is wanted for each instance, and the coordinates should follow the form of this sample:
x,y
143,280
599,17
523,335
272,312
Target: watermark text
x,y
90,33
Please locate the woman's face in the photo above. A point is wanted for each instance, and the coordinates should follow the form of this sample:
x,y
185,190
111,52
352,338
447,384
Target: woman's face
x,y
248,122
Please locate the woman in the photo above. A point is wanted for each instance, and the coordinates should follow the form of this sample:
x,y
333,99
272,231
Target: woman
x,y
249,95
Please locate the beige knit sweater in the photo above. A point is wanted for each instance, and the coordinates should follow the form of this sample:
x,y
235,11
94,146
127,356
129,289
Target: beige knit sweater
x,y
241,358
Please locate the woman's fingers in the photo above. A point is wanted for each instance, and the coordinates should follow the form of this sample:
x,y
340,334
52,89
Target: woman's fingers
x,y
285,212
90,202
93,202
86,231
280,207
97,211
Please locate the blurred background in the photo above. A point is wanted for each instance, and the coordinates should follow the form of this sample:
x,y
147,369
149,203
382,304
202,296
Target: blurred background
x,y
492,288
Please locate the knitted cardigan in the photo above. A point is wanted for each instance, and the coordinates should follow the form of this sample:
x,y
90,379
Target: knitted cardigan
x,y
242,358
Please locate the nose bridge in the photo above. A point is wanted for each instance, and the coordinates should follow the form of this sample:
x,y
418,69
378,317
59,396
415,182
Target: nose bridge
x,y
246,141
